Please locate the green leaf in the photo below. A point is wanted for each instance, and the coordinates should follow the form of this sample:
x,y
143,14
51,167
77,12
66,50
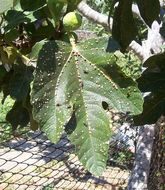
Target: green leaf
x,y
16,2
127,88
4,84
153,78
45,30
27,104
14,18
124,28
55,8
45,99
42,13
18,116
153,82
20,81
88,89
154,107
149,10
11,35
2,72
36,49
92,132
155,61
69,83
5,5
31,5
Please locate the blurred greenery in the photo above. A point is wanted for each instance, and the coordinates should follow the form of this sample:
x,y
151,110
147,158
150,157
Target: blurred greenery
x,y
122,158
5,127
6,131
4,108
129,64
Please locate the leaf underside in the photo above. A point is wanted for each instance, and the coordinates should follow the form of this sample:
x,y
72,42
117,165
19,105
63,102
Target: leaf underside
x,y
152,82
19,85
69,85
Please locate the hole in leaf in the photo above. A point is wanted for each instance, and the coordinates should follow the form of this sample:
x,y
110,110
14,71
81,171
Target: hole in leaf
x,y
69,107
105,105
85,125
71,125
128,94
58,104
81,84
85,72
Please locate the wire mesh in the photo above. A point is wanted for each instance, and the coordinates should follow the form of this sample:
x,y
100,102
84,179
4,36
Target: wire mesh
x,y
156,179
31,161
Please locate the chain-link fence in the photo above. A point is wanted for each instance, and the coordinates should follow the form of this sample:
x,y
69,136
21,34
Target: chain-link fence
x,y
156,179
30,161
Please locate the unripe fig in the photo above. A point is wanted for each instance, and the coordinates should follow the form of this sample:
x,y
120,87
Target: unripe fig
x,y
72,21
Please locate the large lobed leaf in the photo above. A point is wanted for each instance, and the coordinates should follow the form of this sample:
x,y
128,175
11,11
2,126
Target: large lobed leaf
x,y
70,83
92,132
127,96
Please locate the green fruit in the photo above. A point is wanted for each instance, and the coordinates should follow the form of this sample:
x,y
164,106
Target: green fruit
x,y
72,21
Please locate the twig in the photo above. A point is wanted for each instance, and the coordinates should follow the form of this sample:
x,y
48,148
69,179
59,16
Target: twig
x,y
102,19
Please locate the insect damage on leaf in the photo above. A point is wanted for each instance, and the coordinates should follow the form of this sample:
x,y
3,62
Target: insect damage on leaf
x,y
68,85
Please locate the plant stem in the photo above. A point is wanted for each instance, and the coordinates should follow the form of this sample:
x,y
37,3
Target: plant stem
x,y
72,42
20,54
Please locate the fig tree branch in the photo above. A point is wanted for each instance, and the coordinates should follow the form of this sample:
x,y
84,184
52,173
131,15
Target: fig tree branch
x,y
140,50
102,19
